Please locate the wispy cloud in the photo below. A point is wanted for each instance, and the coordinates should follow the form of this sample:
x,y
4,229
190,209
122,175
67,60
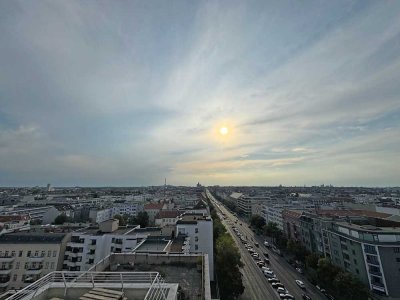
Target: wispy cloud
x,y
129,93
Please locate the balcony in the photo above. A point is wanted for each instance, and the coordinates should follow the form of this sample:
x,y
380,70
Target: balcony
x,y
375,272
73,254
4,281
5,271
34,271
6,259
36,258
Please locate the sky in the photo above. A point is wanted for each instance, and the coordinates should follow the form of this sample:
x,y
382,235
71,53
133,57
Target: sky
x,y
127,93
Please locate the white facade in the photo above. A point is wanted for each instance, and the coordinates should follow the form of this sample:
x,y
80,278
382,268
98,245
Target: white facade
x,y
273,214
199,230
88,247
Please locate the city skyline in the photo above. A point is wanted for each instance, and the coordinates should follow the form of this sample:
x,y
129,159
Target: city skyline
x,y
126,94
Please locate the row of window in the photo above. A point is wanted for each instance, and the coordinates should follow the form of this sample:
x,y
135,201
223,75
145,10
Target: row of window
x,y
28,253
29,265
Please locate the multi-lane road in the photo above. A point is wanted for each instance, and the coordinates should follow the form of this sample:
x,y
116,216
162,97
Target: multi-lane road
x,y
255,283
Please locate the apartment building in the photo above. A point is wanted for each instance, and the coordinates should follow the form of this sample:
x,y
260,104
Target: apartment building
x,y
198,228
167,218
90,245
370,250
27,256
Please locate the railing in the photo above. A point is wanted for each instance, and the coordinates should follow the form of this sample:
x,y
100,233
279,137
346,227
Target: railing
x,y
157,290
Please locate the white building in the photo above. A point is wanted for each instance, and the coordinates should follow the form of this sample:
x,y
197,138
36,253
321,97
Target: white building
x,y
11,223
199,230
90,245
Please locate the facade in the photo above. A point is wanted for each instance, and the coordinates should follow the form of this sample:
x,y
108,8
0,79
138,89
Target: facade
x,y
199,230
90,245
291,224
369,252
27,256
167,218
152,210
273,214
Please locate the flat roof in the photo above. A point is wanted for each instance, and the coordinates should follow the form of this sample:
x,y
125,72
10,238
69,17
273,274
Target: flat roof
x,y
153,245
29,237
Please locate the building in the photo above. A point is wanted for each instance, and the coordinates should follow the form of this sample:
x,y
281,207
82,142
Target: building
x,y
291,224
152,210
167,218
27,256
90,245
12,223
370,250
199,230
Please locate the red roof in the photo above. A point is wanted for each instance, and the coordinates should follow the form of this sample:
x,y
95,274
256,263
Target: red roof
x,y
10,218
168,214
154,206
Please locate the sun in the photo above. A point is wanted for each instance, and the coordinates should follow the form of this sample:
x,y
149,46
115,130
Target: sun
x,y
223,130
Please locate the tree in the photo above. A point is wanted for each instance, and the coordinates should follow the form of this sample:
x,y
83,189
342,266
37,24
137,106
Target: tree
x,y
61,219
142,219
312,261
121,220
228,264
257,221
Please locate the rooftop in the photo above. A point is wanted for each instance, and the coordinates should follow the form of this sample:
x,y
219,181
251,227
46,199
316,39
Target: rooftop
x,y
153,246
34,237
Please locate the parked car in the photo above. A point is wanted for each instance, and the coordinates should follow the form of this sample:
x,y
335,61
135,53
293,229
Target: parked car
x,y
277,285
306,297
266,260
287,296
266,244
266,254
256,244
269,274
273,280
282,290
301,284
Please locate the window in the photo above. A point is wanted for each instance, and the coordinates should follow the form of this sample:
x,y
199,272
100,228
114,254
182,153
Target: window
x,y
357,271
15,277
355,261
43,253
49,253
396,250
47,265
196,230
6,254
26,266
28,254
196,239
196,247
13,253
20,253
398,259
52,265
17,265
54,253
36,253
354,252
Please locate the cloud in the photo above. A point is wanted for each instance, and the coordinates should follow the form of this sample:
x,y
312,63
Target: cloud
x,y
129,93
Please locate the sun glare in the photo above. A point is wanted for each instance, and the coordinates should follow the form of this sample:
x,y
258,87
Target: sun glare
x,y
223,130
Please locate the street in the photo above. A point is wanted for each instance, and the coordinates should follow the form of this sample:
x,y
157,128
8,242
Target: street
x,y
256,284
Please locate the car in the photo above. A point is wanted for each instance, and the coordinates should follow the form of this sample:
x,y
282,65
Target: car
x,y
257,245
266,254
330,297
255,254
300,284
266,269
240,223
276,285
286,296
282,290
323,291
273,280
266,244
266,260
269,274
260,264
306,297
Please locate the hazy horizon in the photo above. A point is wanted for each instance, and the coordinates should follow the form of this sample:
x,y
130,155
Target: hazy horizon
x,y
114,93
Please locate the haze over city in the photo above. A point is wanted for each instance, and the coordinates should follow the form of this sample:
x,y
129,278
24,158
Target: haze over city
x,y
230,92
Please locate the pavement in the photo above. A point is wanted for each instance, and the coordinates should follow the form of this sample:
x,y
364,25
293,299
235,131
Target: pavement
x,y
256,285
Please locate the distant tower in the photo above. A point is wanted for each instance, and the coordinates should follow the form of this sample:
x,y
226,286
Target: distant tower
x,y
165,188
48,187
